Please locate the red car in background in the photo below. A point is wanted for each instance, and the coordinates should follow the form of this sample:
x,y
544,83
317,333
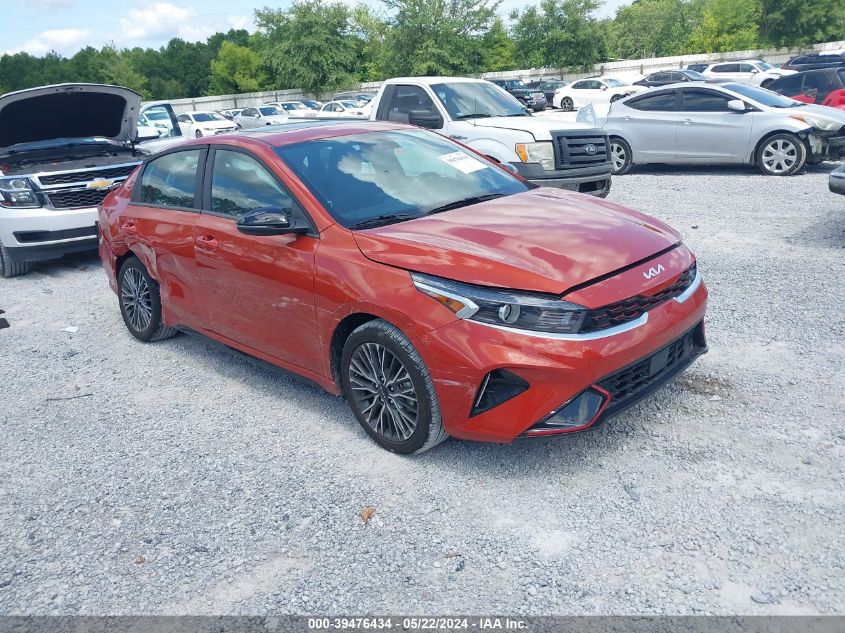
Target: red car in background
x,y
438,292
822,87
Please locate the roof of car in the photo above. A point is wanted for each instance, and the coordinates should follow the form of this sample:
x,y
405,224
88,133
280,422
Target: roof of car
x,y
432,80
298,131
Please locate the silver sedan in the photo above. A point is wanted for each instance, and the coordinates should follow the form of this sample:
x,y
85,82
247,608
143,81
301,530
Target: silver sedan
x,y
702,123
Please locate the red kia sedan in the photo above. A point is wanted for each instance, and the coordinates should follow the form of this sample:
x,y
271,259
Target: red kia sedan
x,y
437,291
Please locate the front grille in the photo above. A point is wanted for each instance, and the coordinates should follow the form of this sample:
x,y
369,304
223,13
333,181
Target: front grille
x,y
580,150
633,308
86,175
635,381
75,199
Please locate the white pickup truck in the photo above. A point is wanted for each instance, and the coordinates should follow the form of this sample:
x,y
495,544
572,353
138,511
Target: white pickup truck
x,y
484,117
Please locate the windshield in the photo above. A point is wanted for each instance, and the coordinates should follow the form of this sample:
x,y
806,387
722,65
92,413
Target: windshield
x,y
695,75
294,106
763,96
384,177
763,66
470,99
354,105
270,111
157,115
203,117
614,83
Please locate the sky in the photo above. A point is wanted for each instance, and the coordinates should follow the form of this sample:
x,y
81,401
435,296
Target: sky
x,y
39,26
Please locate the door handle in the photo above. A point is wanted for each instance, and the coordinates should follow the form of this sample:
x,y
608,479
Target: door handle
x,y
129,228
686,121
457,137
207,243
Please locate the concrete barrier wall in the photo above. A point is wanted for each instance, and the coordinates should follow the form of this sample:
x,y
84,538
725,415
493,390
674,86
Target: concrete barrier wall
x,y
620,68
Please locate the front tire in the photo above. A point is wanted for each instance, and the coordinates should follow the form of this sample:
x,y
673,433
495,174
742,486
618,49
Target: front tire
x,y
567,105
9,268
620,156
389,389
140,303
781,154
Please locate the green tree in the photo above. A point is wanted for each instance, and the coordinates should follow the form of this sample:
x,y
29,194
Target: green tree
x,y
573,36
309,45
528,34
370,29
236,69
438,37
498,47
801,22
116,68
654,28
727,25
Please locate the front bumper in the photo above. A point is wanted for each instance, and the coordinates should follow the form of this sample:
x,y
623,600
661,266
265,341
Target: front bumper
x,y
836,181
460,355
32,235
593,180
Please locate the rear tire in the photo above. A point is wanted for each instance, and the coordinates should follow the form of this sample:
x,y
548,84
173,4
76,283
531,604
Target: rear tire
x,y
9,268
389,389
620,156
567,105
782,154
140,303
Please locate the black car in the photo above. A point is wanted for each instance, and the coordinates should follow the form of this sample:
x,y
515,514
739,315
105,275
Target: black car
x,y
548,88
699,68
824,87
533,99
815,61
666,77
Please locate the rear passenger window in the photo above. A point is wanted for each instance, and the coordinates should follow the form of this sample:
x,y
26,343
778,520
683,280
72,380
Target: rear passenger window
x,y
239,183
660,102
170,181
704,101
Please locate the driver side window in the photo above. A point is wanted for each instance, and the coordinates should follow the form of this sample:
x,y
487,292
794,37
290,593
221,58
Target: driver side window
x,y
240,183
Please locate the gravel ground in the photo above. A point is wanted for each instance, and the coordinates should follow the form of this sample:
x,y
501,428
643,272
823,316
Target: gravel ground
x,y
181,479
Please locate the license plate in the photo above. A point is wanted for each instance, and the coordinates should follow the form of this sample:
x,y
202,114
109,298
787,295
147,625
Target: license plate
x,y
658,362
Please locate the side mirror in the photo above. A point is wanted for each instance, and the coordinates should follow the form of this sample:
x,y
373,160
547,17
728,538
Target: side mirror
x,y
737,105
425,118
270,221
754,71
604,87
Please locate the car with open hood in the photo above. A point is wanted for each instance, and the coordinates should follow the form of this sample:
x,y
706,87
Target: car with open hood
x,y
439,292
62,148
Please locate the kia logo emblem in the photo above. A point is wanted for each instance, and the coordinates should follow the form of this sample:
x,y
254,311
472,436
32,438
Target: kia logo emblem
x,y
653,272
591,149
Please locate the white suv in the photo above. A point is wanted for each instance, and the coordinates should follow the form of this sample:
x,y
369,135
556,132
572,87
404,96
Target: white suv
x,y
62,149
746,71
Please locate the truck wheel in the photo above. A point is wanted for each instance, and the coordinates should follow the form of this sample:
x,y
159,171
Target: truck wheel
x,y
9,268
620,156
566,104
781,154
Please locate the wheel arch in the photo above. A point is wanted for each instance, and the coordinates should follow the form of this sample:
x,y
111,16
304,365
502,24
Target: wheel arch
x,y
340,335
801,134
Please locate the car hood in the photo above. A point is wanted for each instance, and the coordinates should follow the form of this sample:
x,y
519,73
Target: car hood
x,y
68,111
539,127
544,240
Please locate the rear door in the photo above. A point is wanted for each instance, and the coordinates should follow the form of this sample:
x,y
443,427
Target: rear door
x,y
260,289
709,131
649,123
158,226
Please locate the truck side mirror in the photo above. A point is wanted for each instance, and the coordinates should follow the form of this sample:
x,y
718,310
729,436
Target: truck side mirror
x,y
426,119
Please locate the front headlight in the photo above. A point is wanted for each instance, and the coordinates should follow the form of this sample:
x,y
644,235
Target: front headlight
x,y
516,310
819,122
541,152
17,193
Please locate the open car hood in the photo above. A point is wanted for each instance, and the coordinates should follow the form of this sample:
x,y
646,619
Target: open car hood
x,y
545,240
68,111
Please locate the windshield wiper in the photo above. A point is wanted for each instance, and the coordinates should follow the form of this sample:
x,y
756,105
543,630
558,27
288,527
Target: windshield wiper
x,y
382,220
457,204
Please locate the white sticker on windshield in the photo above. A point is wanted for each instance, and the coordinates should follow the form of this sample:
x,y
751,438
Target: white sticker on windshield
x,y
462,162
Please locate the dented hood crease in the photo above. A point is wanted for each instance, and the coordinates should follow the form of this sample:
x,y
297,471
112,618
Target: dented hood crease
x,y
545,240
